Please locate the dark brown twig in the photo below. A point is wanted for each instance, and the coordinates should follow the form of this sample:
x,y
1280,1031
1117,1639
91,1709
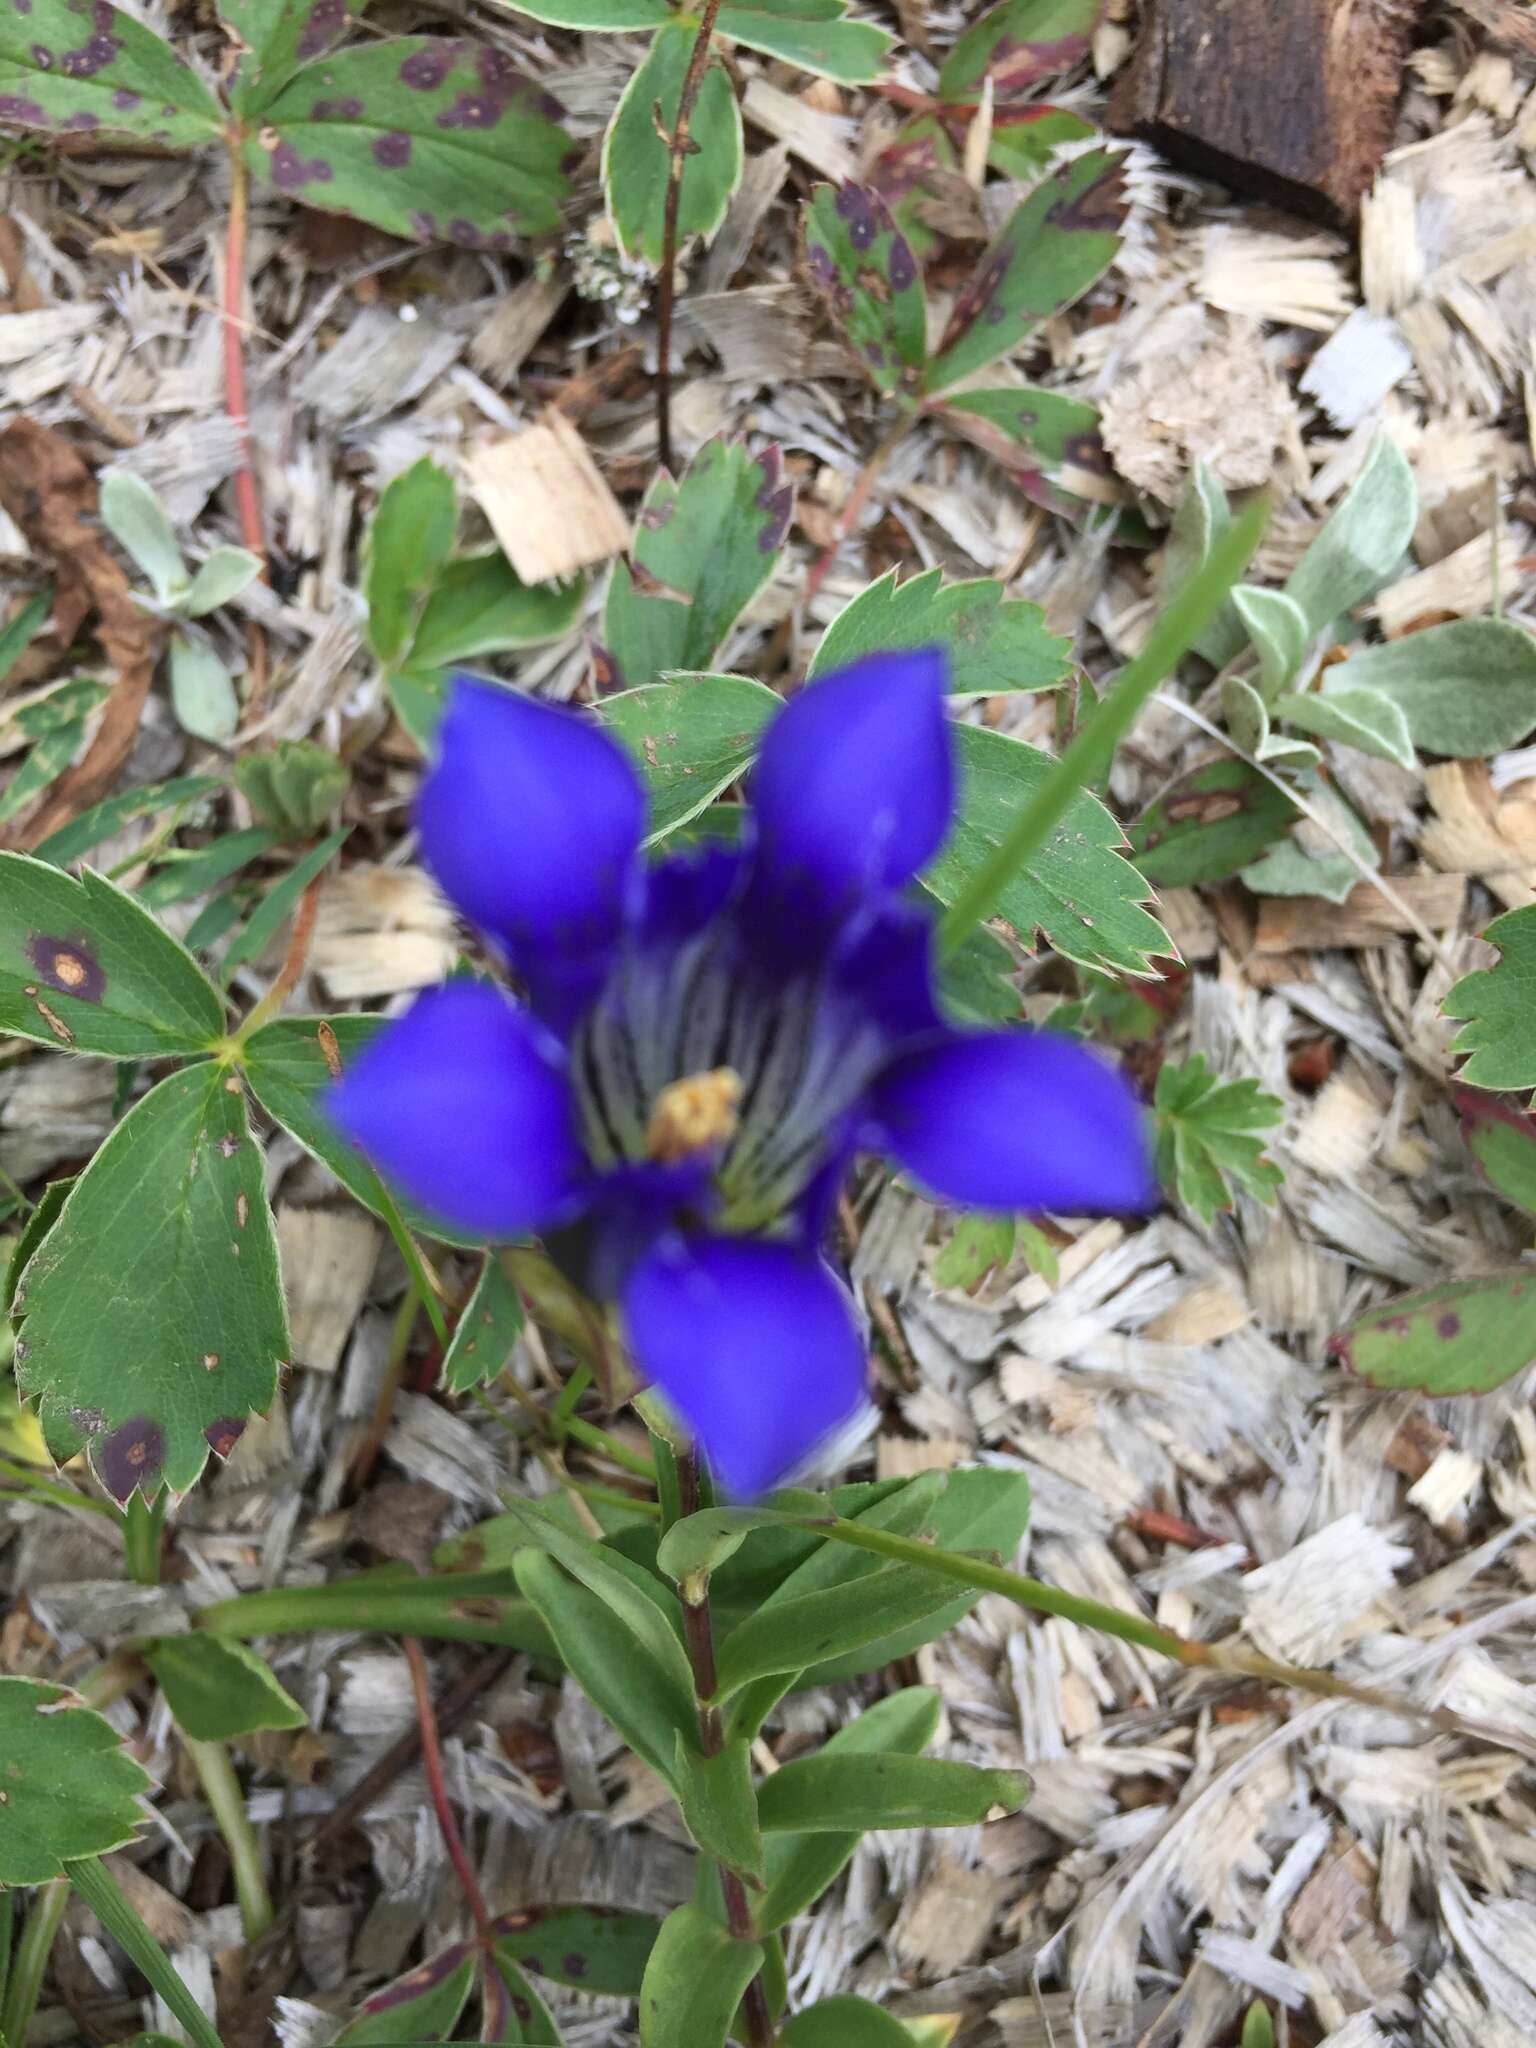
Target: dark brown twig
x,y
679,149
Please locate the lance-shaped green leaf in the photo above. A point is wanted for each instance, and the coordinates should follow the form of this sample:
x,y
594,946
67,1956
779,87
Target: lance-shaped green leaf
x,y
1058,243
800,1866
600,1651
719,1804
1498,1005
55,725
202,691
102,820
132,513
485,1333
278,37
71,1789
1310,861
863,266
1078,891
845,2022
815,35
1201,520
603,17
428,137
909,174
479,605
409,542
694,1981
1214,821
1464,1337
217,1689
704,546
288,1067
1465,689
424,2005
1247,717
794,1633
1362,543
452,1607
1367,719
1016,45
1050,443
153,1322
690,738
648,1609
994,644
982,1508
1025,139
512,2014
73,69
837,1793
1210,1133
636,159
84,967
590,1948
1502,1139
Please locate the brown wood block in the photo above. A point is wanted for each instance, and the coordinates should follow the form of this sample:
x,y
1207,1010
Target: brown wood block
x,y
1291,100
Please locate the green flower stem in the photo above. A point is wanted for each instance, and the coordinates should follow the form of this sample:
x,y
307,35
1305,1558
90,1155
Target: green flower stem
x,y
7,1932
428,1286
29,1964
143,1522
456,1607
1178,627
570,1394
1034,1594
595,1439
227,1803
101,1892
699,1637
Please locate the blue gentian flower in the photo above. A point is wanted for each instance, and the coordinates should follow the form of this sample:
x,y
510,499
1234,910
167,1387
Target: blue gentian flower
x,y
708,1041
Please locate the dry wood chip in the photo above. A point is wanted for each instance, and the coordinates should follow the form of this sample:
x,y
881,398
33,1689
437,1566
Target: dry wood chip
x,y
1202,1316
546,500
328,1258
944,1924
380,931
1300,924
1462,584
1226,407
1303,1607
1477,830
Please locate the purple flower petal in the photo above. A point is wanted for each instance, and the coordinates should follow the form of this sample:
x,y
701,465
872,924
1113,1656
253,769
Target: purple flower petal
x,y
853,793
531,820
1015,1120
464,1105
753,1343
884,966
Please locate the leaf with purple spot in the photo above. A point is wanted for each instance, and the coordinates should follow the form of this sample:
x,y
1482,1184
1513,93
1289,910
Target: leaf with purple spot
x,y
909,174
1502,1139
599,1949
423,2005
1017,45
152,1315
433,138
1048,440
276,38
636,160
512,2014
1058,243
864,268
1463,1337
703,548
72,69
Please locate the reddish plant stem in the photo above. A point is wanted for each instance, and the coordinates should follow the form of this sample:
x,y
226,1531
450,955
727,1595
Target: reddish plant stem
x,y
246,501
679,149
293,960
854,504
698,1634
437,1784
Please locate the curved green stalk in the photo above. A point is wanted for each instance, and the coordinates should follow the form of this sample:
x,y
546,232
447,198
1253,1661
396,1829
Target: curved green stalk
x,y
29,1963
102,1893
226,1802
1179,625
